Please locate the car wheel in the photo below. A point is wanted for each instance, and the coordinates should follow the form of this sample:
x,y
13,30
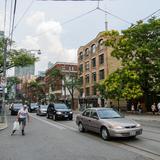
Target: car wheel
x,y
105,134
54,117
80,127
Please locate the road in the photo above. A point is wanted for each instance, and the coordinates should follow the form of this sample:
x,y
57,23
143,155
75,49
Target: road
x,y
60,140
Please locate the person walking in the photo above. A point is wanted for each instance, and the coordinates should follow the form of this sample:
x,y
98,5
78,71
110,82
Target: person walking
x,y
158,106
153,108
132,108
22,116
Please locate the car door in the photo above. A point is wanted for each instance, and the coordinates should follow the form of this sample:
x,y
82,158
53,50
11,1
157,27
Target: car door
x,y
94,121
85,119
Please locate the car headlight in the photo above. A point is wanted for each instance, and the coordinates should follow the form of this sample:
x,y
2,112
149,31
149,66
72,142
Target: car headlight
x,y
116,127
138,125
58,112
70,112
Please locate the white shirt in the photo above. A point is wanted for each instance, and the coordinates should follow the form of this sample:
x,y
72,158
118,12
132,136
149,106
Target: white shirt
x,y
23,113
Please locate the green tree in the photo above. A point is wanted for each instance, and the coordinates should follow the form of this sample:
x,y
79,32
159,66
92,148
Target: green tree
x,y
138,48
15,58
71,82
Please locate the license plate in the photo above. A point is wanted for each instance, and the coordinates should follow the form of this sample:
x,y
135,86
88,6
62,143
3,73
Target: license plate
x,y
132,133
65,115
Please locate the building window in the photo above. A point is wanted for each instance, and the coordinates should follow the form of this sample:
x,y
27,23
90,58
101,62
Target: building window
x,y
87,91
87,78
100,43
93,48
101,59
87,66
94,62
94,90
81,55
101,74
81,80
86,52
94,76
81,68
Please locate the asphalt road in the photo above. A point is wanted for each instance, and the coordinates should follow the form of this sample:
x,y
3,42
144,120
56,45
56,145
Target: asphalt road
x,y
49,140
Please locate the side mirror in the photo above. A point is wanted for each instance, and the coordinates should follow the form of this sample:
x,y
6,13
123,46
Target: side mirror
x,y
95,117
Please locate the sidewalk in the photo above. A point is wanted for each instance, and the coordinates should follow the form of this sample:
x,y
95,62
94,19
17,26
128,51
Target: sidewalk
x,y
3,122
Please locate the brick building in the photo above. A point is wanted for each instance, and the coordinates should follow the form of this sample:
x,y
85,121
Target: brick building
x,y
55,85
95,63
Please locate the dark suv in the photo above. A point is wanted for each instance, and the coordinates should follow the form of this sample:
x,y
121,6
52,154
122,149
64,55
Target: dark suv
x,y
59,111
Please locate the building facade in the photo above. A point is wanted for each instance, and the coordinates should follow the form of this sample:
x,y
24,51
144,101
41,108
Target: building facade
x,y
55,85
95,63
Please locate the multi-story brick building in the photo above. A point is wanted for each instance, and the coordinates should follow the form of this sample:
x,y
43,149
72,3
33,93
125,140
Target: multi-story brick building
x,y
95,63
55,85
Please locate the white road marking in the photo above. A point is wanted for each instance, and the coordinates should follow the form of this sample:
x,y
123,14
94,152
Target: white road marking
x,y
45,121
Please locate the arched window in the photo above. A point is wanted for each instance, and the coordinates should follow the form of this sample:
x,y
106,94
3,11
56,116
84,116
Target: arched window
x,y
81,55
93,48
86,52
100,44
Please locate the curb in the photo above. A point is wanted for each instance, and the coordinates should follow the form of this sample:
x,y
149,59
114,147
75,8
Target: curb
x,y
5,126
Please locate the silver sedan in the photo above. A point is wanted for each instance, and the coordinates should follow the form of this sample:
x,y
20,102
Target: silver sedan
x,y
42,110
108,123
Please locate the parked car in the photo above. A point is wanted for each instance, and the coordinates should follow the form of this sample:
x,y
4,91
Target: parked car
x,y
42,110
32,107
108,123
59,111
15,107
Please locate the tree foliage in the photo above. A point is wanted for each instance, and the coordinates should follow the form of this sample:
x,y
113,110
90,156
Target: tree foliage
x,y
138,48
15,57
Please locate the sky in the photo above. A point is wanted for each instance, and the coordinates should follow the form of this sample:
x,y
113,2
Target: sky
x,y
46,25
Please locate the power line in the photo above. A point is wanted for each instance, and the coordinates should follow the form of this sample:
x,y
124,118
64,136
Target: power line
x,y
5,13
13,20
115,16
150,15
68,21
21,18
10,20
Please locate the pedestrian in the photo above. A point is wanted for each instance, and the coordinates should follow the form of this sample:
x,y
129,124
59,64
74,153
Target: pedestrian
x,y
153,108
22,116
139,107
132,108
158,106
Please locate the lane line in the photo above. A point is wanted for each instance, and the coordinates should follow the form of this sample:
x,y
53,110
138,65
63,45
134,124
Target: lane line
x,y
44,121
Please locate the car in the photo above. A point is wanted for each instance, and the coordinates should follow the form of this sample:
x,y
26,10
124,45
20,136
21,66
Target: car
x,y
42,110
32,107
59,111
108,123
15,107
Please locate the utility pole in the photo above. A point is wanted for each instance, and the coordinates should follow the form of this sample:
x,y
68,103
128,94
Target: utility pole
x,y
4,73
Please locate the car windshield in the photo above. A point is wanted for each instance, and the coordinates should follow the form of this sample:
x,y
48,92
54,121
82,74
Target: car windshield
x,y
18,106
60,106
44,106
108,114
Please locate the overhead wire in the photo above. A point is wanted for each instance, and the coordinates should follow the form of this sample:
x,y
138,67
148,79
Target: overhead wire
x,y
113,15
68,21
84,14
13,20
25,12
151,15
10,20
5,15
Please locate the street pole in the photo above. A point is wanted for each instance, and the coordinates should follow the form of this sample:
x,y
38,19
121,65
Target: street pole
x,y
4,73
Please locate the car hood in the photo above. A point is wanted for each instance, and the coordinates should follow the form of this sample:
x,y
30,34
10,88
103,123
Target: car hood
x,y
120,122
63,110
44,110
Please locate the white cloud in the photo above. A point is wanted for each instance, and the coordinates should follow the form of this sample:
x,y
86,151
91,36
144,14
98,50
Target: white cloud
x,y
36,18
49,43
